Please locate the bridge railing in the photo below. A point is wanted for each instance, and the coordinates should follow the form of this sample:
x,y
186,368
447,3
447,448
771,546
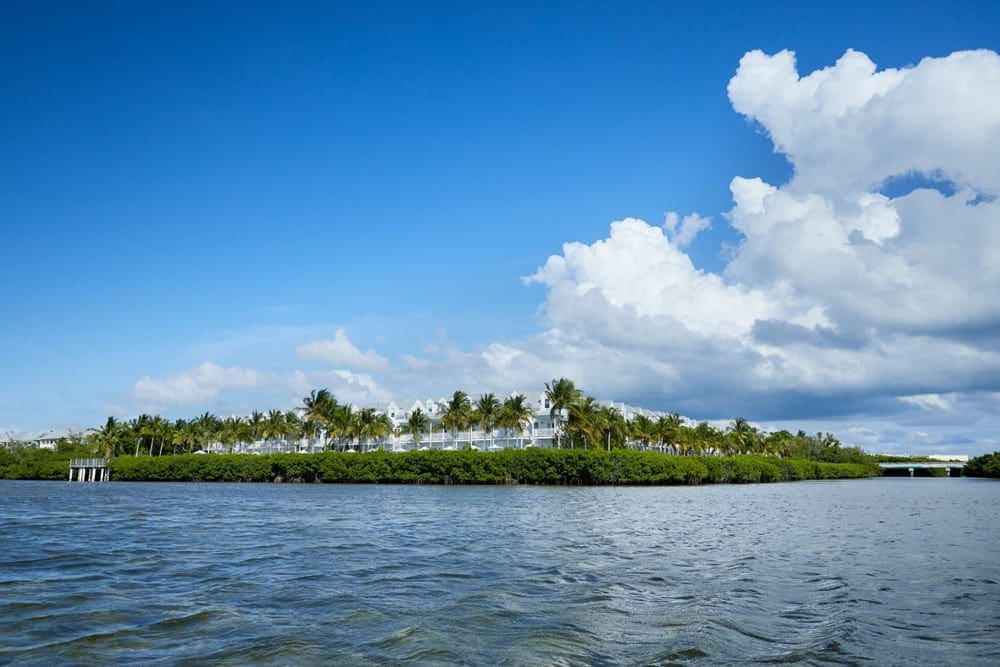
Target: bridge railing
x,y
88,463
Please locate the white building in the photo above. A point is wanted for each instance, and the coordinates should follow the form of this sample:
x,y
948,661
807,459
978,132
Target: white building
x,y
539,432
47,439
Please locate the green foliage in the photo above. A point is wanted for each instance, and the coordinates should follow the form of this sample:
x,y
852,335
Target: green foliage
x,y
528,466
987,465
34,463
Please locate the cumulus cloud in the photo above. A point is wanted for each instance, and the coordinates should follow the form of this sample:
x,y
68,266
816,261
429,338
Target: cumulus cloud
x,y
196,385
683,230
839,298
341,352
201,386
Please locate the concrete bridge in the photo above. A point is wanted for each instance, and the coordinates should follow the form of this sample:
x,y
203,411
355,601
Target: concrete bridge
x,y
911,468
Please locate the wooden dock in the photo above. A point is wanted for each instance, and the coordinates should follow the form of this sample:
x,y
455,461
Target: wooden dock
x,y
89,470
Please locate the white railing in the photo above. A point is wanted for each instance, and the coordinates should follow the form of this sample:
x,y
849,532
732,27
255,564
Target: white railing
x,y
88,463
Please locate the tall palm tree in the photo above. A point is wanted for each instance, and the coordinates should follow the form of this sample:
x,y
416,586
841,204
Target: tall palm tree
x,y
256,424
486,413
516,414
667,430
643,430
381,428
293,428
106,438
230,433
561,394
207,427
274,427
417,423
614,425
743,434
583,419
705,437
456,414
366,427
185,436
345,427
321,408
140,427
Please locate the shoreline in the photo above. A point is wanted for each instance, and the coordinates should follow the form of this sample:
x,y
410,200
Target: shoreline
x,y
510,467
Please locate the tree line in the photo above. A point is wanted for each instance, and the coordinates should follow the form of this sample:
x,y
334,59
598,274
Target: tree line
x,y
579,421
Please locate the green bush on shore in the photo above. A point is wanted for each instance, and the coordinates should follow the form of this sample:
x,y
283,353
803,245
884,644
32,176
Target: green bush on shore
x,y
530,466
43,464
987,465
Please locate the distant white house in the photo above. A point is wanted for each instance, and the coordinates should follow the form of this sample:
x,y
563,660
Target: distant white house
x,y
47,439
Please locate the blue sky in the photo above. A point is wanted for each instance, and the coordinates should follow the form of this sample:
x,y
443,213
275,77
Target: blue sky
x,y
226,183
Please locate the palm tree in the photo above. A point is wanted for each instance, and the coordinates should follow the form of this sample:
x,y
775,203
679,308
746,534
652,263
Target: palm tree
x,y
583,418
184,436
743,434
321,409
486,414
615,426
417,422
140,427
274,427
207,428
230,433
643,429
341,423
256,424
456,414
667,429
707,437
366,426
561,394
106,438
293,427
516,414
381,428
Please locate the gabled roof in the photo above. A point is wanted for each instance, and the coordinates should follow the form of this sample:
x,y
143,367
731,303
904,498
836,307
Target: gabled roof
x,y
48,435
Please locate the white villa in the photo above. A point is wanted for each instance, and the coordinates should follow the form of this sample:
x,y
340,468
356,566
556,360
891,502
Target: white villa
x,y
540,432
47,439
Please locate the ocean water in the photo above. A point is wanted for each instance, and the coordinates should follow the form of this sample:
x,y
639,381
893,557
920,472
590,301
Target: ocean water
x,y
884,571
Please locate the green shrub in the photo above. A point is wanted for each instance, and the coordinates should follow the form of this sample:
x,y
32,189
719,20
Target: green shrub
x,y
987,465
528,466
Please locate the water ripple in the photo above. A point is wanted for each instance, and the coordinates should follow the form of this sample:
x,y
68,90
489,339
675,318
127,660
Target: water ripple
x,y
881,571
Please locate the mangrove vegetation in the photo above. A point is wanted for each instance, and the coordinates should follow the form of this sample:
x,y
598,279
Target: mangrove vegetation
x,y
325,440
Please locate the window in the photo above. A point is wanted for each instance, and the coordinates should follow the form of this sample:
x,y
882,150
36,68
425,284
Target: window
x,y
547,404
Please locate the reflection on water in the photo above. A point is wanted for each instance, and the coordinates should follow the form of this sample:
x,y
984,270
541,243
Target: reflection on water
x,y
890,570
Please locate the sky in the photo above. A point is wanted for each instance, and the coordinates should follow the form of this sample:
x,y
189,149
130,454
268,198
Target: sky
x,y
785,213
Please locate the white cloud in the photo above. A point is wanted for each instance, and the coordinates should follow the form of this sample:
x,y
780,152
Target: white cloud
x,y
848,127
197,385
204,385
839,298
928,401
683,230
340,351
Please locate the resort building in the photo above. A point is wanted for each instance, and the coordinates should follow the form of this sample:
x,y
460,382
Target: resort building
x,y
540,431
